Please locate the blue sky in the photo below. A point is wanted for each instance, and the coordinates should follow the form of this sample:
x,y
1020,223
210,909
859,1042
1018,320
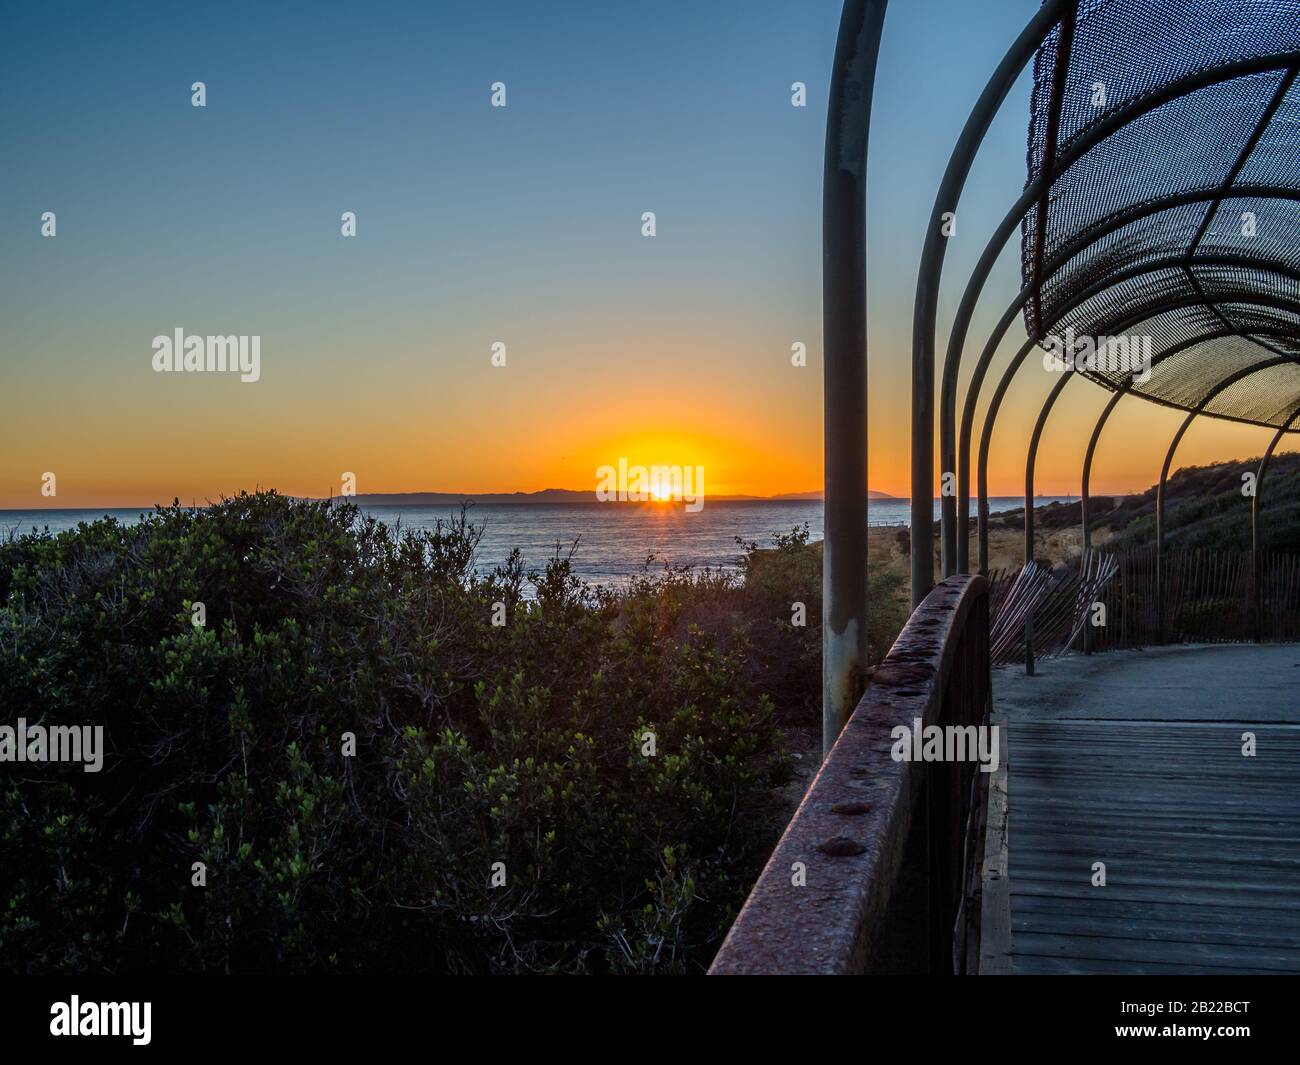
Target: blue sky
x,y
474,224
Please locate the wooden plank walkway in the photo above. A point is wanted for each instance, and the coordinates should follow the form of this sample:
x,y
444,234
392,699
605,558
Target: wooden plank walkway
x,y
1134,760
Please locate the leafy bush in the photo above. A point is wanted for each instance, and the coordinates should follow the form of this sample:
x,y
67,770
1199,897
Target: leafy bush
x,y
787,659
1207,508
475,744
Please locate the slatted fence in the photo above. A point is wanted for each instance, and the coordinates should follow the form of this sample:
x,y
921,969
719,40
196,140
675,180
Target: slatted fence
x,y
1208,597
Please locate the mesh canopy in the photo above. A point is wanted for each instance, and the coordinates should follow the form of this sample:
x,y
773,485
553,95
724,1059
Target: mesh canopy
x,y
1170,130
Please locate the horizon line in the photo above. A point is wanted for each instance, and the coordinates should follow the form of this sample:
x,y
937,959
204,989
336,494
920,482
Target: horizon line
x,y
519,498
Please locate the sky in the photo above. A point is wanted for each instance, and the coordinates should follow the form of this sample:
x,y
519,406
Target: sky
x,y
476,225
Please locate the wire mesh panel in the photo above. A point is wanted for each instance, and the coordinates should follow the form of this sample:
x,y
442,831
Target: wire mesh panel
x,y
1171,134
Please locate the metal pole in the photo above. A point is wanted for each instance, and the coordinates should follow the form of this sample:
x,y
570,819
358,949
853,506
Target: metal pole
x,y
927,296
1227,382
1086,540
1119,394
956,558
1256,562
986,437
1160,525
844,324
1030,458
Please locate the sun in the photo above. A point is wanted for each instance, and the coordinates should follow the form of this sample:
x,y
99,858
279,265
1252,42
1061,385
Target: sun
x,y
661,493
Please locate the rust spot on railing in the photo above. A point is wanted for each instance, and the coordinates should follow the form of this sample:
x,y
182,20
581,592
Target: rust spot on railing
x,y
902,673
841,847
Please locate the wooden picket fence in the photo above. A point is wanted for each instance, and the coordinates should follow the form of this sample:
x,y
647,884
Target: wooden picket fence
x,y
1207,600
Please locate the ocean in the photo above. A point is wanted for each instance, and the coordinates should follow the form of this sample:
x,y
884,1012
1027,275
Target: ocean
x,y
614,540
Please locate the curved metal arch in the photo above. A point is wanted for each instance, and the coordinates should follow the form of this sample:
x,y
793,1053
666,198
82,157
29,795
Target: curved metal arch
x,y
1227,382
995,403
1083,142
982,503
1086,530
1119,220
990,349
1116,396
1256,561
1086,537
925,310
1096,433
1086,481
1031,457
1085,495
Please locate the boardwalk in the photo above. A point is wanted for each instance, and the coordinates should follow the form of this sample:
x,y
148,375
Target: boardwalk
x,y
1134,759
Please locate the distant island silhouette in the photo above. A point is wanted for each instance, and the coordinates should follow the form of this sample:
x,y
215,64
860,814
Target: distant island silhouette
x,y
552,495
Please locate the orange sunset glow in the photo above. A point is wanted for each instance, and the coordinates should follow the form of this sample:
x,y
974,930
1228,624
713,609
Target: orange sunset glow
x,y
763,438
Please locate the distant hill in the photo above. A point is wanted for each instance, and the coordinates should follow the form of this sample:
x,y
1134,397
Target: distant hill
x,y
1204,507
546,495
871,494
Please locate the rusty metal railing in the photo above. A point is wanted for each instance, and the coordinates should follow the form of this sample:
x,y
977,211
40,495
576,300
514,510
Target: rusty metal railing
x,y
879,870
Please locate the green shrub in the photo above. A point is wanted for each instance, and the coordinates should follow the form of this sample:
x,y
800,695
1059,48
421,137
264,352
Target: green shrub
x,y
787,658
475,744
1206,507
